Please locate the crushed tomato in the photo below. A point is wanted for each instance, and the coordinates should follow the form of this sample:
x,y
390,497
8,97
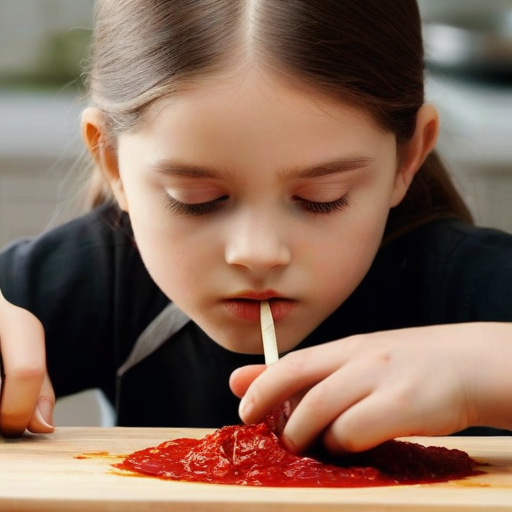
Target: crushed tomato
x,y
254,455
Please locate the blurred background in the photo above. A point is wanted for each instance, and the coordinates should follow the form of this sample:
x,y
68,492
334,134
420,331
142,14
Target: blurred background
x,y
43,52
43,48
469,57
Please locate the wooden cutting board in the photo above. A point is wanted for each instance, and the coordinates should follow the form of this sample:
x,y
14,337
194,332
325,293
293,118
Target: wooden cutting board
x,y
43,473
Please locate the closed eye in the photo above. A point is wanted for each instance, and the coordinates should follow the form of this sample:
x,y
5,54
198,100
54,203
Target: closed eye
x,y
193,209
323,208
197,209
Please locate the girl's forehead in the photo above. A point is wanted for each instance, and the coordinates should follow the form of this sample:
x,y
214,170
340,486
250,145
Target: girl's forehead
x,y
255,97
253,124
256,124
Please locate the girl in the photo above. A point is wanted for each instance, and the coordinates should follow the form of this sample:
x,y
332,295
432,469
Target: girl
x,y
263,150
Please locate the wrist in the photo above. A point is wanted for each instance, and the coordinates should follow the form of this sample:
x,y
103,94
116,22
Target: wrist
x,y
492,404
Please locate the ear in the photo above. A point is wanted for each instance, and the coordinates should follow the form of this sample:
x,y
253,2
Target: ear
x,y
95,137
414,153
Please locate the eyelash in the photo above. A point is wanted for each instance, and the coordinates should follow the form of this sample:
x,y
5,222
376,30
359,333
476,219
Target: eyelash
x,y
313,207
193,210
320,208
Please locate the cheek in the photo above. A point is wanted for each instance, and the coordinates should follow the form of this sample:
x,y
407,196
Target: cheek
x,y
342,260
371,210
339,274
173,262
168,253
177,252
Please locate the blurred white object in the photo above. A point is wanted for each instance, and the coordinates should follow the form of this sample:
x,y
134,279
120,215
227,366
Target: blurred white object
x,y
475,141
476,121
473,41
89,408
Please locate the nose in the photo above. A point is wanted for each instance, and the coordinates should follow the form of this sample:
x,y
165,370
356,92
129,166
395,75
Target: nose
x,y
258,244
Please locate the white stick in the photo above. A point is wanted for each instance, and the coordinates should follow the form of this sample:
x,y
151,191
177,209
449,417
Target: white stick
x,y
268,333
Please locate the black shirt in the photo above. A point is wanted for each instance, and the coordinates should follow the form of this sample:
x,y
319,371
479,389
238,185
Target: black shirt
x,y
86,282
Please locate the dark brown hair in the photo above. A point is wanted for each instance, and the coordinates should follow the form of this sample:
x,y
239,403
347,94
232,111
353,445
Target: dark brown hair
x,y
369,53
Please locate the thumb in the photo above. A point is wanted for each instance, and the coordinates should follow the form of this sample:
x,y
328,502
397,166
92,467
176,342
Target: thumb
x,y
243,377
22,346
42,419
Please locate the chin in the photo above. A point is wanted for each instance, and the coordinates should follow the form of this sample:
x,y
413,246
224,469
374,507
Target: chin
x,y
240,348
245,338
242,341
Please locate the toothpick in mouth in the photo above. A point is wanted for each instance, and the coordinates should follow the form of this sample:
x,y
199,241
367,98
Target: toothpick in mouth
x,y
268,333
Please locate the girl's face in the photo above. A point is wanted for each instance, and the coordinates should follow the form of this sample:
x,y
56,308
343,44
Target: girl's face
x,y
247,190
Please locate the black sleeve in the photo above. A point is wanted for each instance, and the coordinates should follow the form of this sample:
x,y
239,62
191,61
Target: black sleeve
x,y
476,284
87,285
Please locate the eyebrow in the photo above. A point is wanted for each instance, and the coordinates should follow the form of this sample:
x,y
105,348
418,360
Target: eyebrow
x,y
177,168
328,168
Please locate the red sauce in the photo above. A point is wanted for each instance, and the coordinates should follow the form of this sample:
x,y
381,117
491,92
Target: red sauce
x,y
254,455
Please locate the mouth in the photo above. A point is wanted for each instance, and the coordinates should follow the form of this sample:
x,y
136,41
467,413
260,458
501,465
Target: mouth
x,y
247,307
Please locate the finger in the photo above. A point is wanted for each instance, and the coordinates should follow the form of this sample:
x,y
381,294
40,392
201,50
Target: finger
x,y
327,400
288,377
393,411
242,378
370,422
42,420
23,358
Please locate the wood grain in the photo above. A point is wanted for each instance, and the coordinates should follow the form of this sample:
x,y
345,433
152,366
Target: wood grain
x,y
42,473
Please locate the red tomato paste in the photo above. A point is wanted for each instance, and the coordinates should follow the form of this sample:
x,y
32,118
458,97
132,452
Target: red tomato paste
x,y
254,455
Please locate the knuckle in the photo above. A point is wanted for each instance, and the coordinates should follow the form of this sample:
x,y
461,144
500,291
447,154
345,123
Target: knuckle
x,y
26,371
339,439
316,400
402,399
352,344
348,432
296,363
351,440
349,444
47,397
381,356
371,346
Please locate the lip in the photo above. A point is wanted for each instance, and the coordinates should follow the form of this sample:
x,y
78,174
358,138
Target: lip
x,y
246,306
264,295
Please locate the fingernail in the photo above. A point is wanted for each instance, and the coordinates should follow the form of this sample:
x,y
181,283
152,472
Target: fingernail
x,y
44,413
245,409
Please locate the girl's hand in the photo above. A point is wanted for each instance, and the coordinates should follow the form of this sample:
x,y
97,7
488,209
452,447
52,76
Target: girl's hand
x,y
358,392
27,397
